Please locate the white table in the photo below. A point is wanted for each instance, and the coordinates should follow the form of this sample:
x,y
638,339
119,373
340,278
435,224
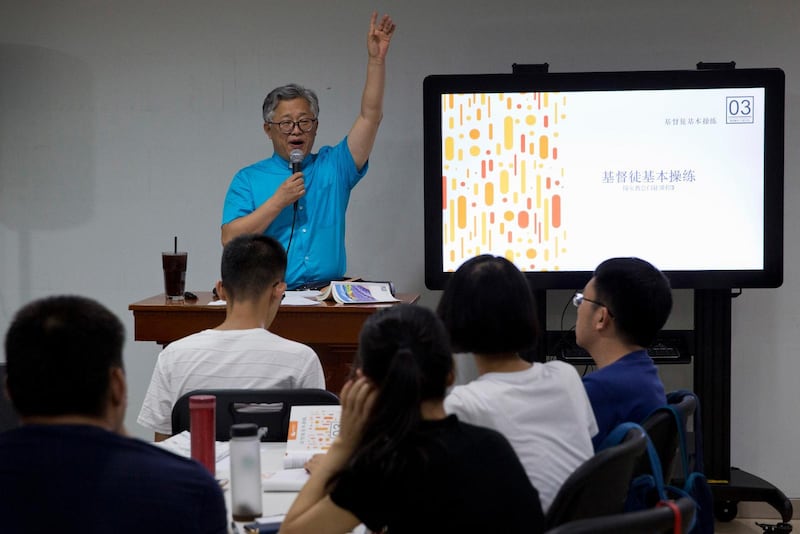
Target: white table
x,y
272,502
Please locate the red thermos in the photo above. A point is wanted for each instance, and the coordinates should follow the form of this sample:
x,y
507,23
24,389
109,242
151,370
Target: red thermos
x,y
202,427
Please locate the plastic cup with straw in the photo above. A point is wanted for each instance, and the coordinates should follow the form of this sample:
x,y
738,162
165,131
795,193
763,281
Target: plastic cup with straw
x,y
174,264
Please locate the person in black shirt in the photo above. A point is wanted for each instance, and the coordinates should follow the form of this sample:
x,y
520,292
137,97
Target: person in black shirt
x,y
399,460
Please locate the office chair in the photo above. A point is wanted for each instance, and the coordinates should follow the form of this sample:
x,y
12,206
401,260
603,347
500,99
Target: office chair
x,y
8,416
687,407
656,520
662,428
268,408
600,485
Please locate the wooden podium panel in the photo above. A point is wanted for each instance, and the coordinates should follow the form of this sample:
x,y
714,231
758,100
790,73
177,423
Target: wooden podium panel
x,y
331,329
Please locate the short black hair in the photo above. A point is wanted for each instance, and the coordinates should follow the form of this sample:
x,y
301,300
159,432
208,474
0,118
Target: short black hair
x,y
637,294
251,263
59,354
488,307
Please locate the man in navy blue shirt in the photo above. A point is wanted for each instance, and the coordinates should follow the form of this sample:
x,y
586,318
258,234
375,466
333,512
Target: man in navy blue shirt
x,y
70,467
620,312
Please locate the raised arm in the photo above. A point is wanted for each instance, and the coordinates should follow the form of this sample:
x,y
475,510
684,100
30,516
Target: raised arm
x,y
362,135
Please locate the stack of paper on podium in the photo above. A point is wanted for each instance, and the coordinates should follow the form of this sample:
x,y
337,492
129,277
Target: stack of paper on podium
x,y
305,297
312,430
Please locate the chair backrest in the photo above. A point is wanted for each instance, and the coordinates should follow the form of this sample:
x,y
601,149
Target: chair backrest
x,y
600,485
268,408
660,425
8,416
662,428
656,520
693,479
686,407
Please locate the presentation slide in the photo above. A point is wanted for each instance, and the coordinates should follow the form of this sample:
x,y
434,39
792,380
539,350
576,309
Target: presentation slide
x,y
562,181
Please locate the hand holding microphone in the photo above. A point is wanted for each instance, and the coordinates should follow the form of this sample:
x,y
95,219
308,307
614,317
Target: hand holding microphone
x,y
296,158
294,187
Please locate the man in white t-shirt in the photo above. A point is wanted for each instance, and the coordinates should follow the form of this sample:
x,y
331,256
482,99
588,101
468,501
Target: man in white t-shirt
x,y
240,353
541,408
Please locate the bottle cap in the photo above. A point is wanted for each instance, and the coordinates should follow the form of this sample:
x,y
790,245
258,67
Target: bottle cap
x,y
202,401
243,430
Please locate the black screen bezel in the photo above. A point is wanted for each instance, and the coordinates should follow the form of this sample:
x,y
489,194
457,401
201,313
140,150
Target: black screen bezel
x,y
771,79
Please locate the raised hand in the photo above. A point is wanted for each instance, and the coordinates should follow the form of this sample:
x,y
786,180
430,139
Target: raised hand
x,y
379,36
357,399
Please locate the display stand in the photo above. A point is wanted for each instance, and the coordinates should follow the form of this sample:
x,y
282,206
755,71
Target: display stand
x,y
539,352
712,384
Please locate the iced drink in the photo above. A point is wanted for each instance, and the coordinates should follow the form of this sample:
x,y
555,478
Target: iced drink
x,y
174,274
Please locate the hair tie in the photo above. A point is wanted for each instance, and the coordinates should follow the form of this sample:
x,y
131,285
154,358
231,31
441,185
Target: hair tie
x,y
404,350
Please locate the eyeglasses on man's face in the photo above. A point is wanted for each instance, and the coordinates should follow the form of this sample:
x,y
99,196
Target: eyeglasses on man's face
x,y
287,126
578,297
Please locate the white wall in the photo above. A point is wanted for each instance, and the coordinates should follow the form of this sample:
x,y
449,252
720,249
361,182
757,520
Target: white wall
x,y
122,122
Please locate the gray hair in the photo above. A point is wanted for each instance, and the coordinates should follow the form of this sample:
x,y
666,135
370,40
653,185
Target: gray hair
x,y
288,92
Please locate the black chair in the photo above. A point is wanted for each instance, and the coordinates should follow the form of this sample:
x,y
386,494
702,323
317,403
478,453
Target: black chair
x,y
662,428
656,520
8,416
687,407
268,408
600,485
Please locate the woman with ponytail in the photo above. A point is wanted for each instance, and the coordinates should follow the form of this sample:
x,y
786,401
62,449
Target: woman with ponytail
x,y
400,463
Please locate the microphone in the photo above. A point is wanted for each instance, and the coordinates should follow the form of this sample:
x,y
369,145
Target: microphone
x,y
296,157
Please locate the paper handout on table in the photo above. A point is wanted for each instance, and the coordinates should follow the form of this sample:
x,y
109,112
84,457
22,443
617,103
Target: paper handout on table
x,y
181,444
354,292
285,480
312,430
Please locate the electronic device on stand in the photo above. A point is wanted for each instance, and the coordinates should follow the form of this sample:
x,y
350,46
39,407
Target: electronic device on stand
x,y
560,171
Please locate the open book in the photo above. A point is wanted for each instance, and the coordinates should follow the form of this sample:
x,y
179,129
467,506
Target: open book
x,y
357,292
312,430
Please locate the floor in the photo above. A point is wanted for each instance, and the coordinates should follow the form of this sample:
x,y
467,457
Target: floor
x,y
752,512
748,525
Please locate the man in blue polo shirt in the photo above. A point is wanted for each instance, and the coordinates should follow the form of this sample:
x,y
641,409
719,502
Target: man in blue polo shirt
x,y
305,210
620,312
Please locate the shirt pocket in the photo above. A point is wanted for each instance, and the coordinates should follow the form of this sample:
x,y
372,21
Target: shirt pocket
x,y
323,207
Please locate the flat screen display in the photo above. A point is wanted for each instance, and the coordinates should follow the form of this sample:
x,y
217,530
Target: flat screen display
x,y
558,172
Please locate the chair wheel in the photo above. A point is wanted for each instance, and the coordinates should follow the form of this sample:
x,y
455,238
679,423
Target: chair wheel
x,y
725,511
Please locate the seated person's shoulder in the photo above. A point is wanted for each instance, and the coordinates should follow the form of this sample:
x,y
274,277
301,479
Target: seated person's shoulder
x,y
163,463
291,348
483,435
562,369
198,340
466,401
